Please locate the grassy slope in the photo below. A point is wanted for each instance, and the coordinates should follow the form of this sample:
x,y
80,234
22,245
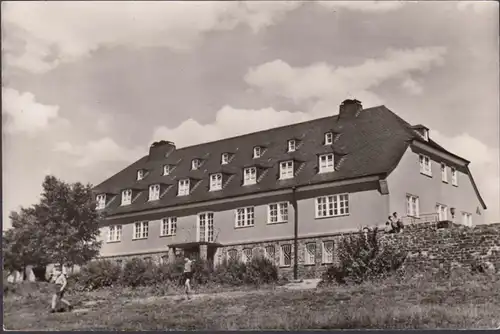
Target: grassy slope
x,y
460,302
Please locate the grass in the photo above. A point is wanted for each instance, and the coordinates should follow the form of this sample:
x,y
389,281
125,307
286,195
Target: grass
x,y
459,302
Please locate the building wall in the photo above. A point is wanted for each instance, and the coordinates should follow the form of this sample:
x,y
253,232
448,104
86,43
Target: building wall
x,y
366,206
407,179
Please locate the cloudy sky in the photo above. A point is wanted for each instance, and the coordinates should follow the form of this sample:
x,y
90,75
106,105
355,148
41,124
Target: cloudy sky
x,y
87,86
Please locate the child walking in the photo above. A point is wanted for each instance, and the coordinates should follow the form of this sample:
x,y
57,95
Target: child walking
x,y
187,275
60,283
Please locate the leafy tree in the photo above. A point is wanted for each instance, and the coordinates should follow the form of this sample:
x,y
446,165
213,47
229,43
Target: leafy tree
x,y
70,222
22,244
63,228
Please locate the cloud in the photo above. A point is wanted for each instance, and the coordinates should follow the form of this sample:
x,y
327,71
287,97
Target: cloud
x,y
477,6
372,7
484,167
98,151
25,115
325,82
412,87
229,122
41,35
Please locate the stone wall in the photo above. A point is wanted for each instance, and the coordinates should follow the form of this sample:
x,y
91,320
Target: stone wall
x,y
445,244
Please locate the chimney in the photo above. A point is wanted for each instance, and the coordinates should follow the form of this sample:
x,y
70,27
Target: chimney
x,y
160,149
350,109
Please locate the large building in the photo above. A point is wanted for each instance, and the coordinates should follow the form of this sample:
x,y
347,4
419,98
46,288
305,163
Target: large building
x,y
293,187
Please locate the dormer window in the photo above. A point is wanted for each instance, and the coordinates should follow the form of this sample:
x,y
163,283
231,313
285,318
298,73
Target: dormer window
x,y
127,197
249,176
216,182
328,138
224,158
286,170
183,187
154,192
167,169
195,164
292,145
425,134
257,152
140,174
326,163
101,201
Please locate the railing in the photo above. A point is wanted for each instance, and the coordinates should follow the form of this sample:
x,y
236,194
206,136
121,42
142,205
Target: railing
x,y
423,218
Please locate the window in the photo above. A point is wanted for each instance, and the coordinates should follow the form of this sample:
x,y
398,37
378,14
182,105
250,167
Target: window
x,y
326,163
257,152
425,165
442,211
328,138
141,230
412,208
466,219
167,169
216,182
286,170
444,173
245,217
183,187
292,145
454,177
328,251
126,197
195,164
250,176
206,227
310,256
119,263
114,233
286,255
168,226
154,192
148,259
101,201
332,206
270,252
225,158
164,259
277,213
140,174
232,255
246,255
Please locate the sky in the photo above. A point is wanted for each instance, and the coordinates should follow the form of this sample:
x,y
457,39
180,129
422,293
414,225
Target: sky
x,y
88,86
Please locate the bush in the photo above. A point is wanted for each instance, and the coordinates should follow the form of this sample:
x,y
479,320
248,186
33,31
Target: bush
x,y
137,272
261,271
95,275
361,257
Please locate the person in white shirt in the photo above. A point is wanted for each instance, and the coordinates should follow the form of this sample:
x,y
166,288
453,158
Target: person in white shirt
x,y
187,275
60,284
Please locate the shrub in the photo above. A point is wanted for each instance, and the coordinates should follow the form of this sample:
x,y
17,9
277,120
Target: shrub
x,y
230,272
261,271
361,257
137,272
95,275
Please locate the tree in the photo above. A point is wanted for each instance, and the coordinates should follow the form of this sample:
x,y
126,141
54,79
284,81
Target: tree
x,y
22,244
63,228
70,222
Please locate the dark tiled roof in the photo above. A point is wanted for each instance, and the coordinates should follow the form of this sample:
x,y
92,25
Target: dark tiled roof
x,y
370,144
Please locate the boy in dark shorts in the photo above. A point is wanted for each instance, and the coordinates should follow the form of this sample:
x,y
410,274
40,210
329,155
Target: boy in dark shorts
x,y
60,283
187,275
